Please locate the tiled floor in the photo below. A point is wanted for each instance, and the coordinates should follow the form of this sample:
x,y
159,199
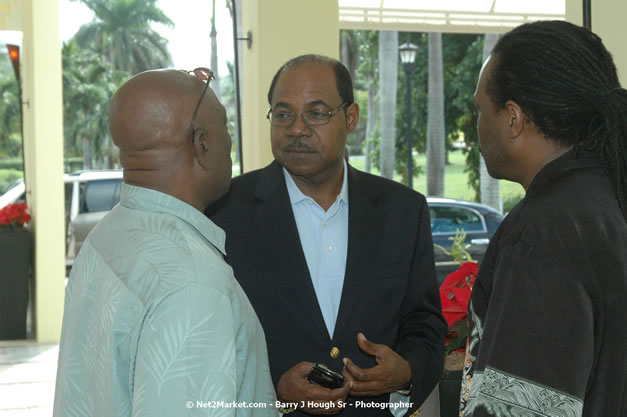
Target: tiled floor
x,y
27,377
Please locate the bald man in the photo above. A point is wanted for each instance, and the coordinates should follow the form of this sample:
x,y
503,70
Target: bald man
x,y
154,323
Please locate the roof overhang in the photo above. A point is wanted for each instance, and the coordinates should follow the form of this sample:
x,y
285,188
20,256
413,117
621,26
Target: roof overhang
x,y
457,16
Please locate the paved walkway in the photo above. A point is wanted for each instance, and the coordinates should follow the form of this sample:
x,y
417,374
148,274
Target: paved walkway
x,y
27,377
28,373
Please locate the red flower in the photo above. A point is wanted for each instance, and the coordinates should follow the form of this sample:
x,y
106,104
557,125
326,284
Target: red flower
x,y
455,295
14,215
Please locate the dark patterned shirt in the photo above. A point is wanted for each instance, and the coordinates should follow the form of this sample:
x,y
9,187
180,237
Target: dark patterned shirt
x,y
548,309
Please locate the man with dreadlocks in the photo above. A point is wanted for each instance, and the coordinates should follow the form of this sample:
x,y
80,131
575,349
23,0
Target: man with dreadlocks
x,y
548,309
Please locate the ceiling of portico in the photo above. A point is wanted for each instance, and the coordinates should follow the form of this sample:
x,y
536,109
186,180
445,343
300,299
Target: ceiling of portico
x,y
465,16
462,16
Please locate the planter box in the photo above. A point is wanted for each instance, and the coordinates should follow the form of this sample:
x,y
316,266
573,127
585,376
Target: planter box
x,y
450,389
16,259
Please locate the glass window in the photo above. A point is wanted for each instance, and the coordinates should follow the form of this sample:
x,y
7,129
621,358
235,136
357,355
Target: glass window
x,y
99,195
448,219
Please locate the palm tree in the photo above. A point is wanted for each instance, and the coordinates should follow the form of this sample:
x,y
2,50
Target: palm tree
x,y
490,192
121,33
388,80
349,51
214,50
368,48
359,53
436,141
89,82
10,134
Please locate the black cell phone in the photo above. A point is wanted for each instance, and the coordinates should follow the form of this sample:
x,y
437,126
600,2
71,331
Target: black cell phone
x,y
321,375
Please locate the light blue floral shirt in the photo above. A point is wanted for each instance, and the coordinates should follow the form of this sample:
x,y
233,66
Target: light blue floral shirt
x,y
155,323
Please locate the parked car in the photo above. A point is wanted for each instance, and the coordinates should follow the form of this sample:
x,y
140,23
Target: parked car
x,y
477,220
89,195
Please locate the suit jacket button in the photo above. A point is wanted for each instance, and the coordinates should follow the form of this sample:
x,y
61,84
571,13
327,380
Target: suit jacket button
x,y
335,352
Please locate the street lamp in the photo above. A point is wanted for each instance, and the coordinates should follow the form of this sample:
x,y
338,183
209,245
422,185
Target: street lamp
x,y
408,52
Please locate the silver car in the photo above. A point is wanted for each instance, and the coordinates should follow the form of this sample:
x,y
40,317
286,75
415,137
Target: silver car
x,y
447,216
89,195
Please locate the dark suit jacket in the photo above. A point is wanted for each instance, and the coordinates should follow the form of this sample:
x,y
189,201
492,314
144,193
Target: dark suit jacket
x,y
390,292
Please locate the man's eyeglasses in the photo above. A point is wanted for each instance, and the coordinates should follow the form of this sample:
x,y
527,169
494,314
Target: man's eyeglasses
x,y
283,118
204,74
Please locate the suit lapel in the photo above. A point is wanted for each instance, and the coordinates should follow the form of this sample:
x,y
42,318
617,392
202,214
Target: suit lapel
x,y
275,220
364,228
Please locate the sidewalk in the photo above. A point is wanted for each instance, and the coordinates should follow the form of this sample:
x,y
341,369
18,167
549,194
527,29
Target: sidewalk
x,y
27,378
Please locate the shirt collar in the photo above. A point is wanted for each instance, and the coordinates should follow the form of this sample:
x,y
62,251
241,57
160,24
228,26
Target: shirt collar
x,y
296,195
145,199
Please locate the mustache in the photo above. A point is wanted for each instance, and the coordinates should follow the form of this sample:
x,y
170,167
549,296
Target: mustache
x,y
297,145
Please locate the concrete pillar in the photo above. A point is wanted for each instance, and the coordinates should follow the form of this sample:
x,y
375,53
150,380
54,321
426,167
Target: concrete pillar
x,y
281,29
43,159
608,21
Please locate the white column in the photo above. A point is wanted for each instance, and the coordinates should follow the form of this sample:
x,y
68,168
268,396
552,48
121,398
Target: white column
x,y
608,21
43,159
281,30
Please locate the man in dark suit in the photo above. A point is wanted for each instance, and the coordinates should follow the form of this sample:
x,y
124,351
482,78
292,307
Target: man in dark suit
x,y
337,263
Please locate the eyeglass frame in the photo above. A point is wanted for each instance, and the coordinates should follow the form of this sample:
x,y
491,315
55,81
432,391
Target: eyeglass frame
x,y
331,113
203,74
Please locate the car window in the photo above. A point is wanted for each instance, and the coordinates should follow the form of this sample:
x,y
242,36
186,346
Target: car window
x,y
99,195
447,219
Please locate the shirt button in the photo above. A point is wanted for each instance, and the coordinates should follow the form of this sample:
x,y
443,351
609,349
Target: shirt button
x,y
329,248
335,352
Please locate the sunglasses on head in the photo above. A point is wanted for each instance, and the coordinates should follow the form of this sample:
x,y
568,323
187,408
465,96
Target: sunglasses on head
x,y
206,75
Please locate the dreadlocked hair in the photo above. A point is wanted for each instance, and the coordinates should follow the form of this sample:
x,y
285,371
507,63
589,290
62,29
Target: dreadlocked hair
x,y
566,83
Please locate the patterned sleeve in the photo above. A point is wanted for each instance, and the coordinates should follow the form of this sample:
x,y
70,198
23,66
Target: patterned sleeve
x,y
534,343
186,357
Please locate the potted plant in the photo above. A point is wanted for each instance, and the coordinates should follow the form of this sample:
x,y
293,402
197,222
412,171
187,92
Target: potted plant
x,y
16,255
455,295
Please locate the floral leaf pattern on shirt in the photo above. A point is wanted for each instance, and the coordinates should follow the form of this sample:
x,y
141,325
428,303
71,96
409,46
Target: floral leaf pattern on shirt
x,y
169,359
154,318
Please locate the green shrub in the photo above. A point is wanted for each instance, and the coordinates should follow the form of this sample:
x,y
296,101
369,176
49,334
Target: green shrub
x,y
73,163
510,201
12,164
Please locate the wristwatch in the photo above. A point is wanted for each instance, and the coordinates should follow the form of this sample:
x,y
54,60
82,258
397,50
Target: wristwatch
x,y
406,390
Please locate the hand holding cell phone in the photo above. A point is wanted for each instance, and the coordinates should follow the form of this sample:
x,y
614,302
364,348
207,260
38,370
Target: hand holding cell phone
x,y
321,375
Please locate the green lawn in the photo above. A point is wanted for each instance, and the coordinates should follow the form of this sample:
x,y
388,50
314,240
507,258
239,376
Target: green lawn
x,y
455,183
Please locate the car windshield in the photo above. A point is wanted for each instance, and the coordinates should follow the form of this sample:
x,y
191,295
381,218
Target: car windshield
x,y
12,185
13,194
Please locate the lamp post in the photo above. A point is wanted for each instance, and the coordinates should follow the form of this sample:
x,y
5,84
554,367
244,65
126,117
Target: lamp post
x,y
408,52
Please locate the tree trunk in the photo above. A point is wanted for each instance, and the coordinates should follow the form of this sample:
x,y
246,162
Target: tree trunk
x,y
87,154
349,52
371,123
107,152
388,79
214,51
436,142
489,187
